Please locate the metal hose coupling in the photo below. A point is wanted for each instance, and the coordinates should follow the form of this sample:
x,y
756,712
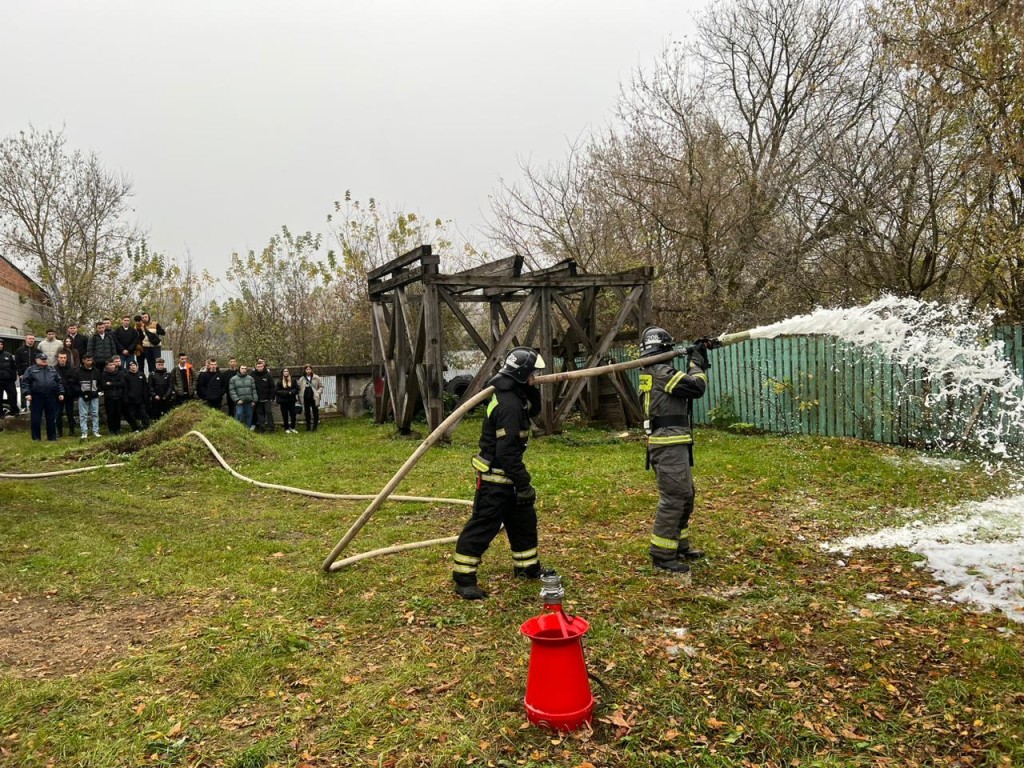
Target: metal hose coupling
x,y
551,591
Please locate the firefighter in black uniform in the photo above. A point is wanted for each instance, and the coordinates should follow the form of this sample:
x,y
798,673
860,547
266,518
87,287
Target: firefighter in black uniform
x,y
668,396
504,493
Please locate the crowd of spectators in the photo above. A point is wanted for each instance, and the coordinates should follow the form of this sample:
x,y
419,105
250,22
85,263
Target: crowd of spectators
x,y
63,381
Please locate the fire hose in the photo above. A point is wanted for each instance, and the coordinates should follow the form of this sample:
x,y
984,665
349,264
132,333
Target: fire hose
x,y
333,564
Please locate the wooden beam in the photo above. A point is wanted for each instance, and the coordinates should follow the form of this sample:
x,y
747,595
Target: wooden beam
x,y
413,374
628,279
461,317
546,343
512,266
423,254
503,316
602,348
574,323
565,267
379,326
400,280
500,348
433,360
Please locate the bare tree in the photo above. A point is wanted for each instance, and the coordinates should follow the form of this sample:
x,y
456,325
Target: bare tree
x,y
63,221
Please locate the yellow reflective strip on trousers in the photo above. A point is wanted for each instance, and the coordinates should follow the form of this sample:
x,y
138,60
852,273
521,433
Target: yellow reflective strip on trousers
x,y
671,440
664,543
467,559
524,553
684,534
674,381
464,568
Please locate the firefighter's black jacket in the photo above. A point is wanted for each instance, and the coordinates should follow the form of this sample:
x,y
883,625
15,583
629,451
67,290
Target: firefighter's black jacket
x,y
506,428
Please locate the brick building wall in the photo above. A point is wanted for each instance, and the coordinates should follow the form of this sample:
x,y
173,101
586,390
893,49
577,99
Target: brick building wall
x,y
19,298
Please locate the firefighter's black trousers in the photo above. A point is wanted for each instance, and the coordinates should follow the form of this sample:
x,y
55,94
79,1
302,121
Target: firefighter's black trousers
x,y
493,505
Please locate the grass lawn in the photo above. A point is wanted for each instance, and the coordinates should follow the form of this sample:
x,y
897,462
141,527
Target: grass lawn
x,y
166,613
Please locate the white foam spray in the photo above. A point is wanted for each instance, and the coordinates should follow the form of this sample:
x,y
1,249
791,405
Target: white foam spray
x,y
972,388
978,552
976,393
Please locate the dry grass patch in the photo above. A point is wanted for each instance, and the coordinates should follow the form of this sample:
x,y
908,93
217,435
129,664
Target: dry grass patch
x,y
42,638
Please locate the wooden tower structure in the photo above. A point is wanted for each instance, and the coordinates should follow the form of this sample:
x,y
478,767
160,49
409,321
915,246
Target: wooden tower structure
x,y
572,318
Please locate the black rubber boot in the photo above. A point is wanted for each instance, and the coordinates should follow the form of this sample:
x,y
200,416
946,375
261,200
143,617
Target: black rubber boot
x,y
534,571
672,566
467,588
685,553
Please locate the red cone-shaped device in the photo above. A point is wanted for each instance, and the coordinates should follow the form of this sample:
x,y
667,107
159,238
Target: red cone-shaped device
x,y
557,689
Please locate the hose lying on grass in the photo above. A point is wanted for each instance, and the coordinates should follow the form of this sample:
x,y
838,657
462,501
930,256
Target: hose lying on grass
x,y
56,473
316,494
240,476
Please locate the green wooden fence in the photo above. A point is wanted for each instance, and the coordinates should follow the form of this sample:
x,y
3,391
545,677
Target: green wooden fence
x,y
818,385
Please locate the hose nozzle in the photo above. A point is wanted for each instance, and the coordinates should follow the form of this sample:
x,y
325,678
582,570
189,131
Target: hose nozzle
x,y
733,338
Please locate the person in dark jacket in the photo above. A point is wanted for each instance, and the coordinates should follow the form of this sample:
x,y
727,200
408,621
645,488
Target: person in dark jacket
x,y
184,380
113,386
504,489
8,382
90,386
101,345
266,388
667,395
25,358
161,390
136,397
287,396
212,385
126,337
69,378
79,341
229,374
43,392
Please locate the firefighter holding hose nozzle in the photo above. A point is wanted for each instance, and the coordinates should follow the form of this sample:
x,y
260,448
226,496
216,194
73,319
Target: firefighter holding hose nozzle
x,y
504,492
668,396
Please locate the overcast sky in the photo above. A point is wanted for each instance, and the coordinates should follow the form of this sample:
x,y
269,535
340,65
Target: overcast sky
x,y
233,118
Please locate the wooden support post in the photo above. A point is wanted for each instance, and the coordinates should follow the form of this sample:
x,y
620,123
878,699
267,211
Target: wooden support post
x,y
433,360
547,352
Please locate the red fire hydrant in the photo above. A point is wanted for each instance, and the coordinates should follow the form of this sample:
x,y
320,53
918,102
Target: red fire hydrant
x,y
558,692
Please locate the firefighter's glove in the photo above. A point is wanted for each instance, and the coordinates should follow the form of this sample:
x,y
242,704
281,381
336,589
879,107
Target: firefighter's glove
x,y
525,497
533,398
698,355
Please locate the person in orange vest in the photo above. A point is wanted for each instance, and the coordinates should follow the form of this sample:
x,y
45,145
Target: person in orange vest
x,y
183,380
